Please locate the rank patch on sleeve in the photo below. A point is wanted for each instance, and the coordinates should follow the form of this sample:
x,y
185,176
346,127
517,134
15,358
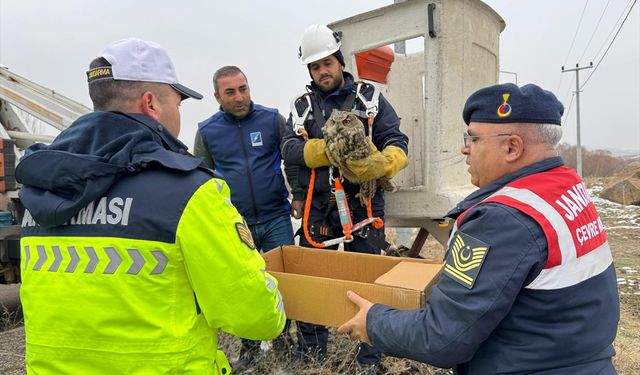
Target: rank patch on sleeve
x,y
465,257
245,235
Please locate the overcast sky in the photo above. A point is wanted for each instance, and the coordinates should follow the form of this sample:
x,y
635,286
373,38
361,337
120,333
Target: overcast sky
x,y
52,42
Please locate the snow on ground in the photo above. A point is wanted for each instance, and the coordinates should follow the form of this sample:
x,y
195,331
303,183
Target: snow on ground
x,y
622,216
622,221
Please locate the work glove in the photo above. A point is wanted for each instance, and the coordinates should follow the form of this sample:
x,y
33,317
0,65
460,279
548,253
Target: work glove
x,y
379,164
314,154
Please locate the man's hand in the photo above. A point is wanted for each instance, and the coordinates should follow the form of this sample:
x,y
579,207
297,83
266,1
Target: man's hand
x,y
356,328
296,209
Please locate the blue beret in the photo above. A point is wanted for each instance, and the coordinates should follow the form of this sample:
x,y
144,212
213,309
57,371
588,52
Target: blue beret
x,y
508,103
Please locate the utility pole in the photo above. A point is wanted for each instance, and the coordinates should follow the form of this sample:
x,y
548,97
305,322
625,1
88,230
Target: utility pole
x,y
577,69
514,73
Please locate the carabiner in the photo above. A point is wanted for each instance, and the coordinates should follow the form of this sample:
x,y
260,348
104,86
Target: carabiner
x,y
298,121
370,105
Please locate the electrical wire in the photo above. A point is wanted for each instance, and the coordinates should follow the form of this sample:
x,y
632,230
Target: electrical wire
x,y
610,44
573,41
576,33
569,92
568,110
594,31
613,29
567,113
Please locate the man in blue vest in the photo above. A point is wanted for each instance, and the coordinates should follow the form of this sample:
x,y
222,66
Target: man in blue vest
x,y
529,285
241,142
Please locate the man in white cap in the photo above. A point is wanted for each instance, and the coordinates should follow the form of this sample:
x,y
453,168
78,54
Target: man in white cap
x,y
133,255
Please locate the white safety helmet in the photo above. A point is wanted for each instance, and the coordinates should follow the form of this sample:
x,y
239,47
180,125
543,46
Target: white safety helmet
x,y
318,41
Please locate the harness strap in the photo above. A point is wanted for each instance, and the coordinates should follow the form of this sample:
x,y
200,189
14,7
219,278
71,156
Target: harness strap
x,y
349,101
305,219
298,123
318,116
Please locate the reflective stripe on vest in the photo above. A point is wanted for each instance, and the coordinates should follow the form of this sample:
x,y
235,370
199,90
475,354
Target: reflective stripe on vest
x,y
564,267
108,265
576,240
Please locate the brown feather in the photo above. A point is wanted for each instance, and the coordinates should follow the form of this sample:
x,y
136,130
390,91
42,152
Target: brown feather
x,y
346,140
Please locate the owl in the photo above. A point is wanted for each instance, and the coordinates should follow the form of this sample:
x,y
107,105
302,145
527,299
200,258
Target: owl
x,y
345,140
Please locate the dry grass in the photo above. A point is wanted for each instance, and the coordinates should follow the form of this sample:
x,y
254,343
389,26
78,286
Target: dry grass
x,y
627,359
340,360
12,351
627,344
10,318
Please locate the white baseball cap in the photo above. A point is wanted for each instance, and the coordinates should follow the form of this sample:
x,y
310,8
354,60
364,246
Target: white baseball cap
x,y
133,59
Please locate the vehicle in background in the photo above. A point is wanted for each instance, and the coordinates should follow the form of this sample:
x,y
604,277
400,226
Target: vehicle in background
x,y
21,101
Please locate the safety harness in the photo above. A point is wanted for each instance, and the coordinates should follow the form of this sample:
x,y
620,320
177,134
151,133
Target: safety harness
x,y
338,194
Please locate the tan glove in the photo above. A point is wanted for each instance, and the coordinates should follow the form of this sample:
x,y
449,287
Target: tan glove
x,y
314,154
379,164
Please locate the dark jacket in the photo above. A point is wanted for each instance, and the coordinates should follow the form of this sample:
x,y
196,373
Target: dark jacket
x,y
123,238
500,324
246,154
386,132
88,158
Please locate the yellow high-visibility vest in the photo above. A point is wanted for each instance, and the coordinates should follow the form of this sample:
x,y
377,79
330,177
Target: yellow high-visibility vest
x,y
116,305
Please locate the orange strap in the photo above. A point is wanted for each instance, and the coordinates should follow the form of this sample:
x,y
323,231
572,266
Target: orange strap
x,y
307,210
377,222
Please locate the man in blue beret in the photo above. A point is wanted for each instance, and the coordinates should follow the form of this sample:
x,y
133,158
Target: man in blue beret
x,y
528,284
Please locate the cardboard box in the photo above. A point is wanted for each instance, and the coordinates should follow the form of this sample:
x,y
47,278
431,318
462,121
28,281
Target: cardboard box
x,y
314,282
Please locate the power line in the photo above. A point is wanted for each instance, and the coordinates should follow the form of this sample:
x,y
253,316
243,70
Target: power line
x,y
610,44
615,25
573,42
594,30
569,92
568,110
576,33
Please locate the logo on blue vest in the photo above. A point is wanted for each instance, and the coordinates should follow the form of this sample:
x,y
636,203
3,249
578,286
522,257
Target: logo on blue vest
x,y
256,139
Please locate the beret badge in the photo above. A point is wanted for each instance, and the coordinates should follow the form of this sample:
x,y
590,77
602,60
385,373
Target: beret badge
x,y
505,108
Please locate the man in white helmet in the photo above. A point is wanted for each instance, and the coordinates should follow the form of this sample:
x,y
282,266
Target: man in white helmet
x,y
303,146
